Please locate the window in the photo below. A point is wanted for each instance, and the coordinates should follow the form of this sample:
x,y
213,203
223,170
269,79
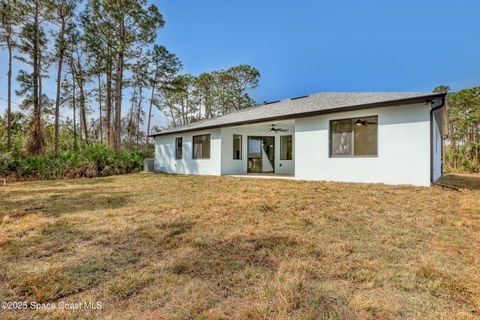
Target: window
x,y
286,148
354,137
178,148
237,147
201,147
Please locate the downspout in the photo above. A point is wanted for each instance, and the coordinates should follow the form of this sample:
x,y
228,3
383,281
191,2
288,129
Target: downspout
x,y
431,138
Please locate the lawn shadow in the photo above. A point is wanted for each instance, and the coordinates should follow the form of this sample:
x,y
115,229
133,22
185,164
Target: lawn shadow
x,y
55,183
211,258
470,182
66,202
92,181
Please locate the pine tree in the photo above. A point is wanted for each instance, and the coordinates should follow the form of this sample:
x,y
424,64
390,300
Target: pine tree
x,y
32,45
163,67
9,17
61,12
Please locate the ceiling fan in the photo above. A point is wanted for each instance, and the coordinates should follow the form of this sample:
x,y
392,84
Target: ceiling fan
x,y
364,123
274,129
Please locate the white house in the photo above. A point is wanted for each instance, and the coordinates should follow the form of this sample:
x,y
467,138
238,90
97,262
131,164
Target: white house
x,y
383,137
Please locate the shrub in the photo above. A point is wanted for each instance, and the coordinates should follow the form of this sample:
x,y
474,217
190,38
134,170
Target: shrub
x,y
90,161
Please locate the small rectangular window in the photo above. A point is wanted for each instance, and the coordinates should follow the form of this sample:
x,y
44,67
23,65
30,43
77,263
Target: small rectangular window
x,y
354,137
178,148
286,144
237,147
201,147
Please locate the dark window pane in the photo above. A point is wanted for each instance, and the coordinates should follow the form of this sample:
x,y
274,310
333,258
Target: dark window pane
x,y
178,148
237,147
286,148
366,136
342,136
201,147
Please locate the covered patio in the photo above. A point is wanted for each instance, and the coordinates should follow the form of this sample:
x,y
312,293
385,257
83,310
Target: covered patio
x,y
262,150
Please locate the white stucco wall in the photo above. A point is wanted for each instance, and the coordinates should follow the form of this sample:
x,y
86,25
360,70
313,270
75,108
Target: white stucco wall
x,y
403,148
437,151
165,154
230,166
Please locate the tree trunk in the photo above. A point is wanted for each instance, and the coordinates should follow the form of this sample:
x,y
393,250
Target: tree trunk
x,y
9,108
83,112
172,114
119,87
150,110
74,101
130,120
109,104
113,114
118,101
40,83
59,80
184,113
474,132
100,106
139,109
36,134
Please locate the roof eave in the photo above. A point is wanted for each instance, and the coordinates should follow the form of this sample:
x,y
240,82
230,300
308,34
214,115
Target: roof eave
x,y
392,103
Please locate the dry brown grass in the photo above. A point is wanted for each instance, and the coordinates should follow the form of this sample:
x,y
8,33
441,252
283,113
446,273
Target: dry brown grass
x,y
154,246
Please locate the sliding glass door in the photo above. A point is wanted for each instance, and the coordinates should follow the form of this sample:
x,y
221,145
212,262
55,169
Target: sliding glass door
x,y
261,154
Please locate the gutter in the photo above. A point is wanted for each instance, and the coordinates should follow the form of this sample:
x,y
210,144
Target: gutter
x,y
441,105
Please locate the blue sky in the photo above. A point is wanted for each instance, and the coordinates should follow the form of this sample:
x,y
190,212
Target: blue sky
x,y
310,46
302,46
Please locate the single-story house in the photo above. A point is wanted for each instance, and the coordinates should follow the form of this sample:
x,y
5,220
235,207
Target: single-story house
x,y
374,137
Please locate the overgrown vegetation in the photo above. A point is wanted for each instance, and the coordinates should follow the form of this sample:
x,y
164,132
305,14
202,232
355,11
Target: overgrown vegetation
x,y
154,246
92,51
87,162
100,56
462,152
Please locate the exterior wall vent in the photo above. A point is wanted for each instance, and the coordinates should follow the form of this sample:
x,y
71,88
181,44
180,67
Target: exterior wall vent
x,y
300,97
270,102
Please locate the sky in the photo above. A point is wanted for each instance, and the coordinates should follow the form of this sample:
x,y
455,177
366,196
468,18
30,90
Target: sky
x,y
307,46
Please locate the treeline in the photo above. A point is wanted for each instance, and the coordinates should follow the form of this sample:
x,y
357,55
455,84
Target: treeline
x,y
190,99
108,72
462,152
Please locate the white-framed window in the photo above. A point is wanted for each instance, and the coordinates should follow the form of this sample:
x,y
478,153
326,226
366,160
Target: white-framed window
x,y
201,147
178,148
286,147
354,137
237,147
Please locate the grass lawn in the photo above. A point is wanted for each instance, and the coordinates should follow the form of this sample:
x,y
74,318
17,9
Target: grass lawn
x,y
154,246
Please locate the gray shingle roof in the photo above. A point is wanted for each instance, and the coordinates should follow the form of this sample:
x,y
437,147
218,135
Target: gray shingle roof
x,y
324,102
